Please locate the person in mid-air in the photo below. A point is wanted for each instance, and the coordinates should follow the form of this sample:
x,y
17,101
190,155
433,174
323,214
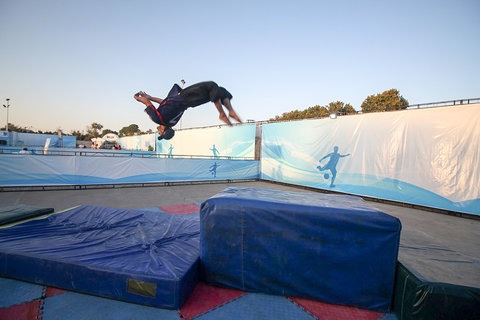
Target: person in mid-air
x,y
171,109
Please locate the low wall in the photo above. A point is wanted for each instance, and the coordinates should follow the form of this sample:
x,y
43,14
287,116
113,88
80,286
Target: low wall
x,y
38,170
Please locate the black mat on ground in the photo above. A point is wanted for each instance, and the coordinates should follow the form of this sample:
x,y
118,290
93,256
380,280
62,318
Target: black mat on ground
x,y
417,298
432,260
21,212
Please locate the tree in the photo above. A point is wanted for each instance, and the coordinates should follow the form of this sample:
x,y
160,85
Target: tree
x,y
312,112
385,101
317,111
107,131
12,127
93,131
131,130
80,136
339,107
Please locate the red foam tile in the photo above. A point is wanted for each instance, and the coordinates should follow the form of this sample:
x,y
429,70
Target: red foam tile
x,y
53,291
24,311
325,311
205,298
182,208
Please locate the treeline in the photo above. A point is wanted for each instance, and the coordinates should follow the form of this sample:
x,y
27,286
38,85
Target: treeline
x,y
385,101
95,130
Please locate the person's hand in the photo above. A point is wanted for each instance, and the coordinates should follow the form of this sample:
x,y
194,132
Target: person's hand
x,y
139,96
146,95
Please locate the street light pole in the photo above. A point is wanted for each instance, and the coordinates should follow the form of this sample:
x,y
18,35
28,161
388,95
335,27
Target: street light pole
x,y
7,106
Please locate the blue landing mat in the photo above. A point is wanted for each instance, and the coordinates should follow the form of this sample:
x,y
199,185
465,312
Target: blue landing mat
x,y
333,248
140,256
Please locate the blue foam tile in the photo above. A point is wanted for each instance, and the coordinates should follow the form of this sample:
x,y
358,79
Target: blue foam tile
x,y
76,306
257,306
14,292
388,316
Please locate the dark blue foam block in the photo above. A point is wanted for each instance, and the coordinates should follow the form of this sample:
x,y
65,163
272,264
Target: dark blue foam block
x,y
332,248
139,256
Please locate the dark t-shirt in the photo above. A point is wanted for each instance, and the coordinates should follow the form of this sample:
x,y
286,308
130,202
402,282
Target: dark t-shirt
x,y
170,110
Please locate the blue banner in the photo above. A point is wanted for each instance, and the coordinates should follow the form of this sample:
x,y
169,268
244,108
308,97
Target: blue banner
x,y
217,142
37,170
427,157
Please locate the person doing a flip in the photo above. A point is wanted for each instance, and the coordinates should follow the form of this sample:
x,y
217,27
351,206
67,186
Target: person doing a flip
x,y
171,109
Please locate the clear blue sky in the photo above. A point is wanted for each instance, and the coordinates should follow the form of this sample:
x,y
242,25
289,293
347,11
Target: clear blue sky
x,y
65,64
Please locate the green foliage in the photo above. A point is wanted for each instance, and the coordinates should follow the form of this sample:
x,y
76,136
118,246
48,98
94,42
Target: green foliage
x,y
80,136
340,108
317,112
12,127
385,101
131,130
312,112
107,131
93,131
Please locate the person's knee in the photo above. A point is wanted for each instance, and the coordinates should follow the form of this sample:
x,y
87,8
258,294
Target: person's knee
x,y
225,95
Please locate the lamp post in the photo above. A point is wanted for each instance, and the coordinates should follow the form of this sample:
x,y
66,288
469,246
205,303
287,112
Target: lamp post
x,y
7,106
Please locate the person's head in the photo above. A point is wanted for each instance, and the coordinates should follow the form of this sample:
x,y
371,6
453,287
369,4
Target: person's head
x,y
166,134
25,149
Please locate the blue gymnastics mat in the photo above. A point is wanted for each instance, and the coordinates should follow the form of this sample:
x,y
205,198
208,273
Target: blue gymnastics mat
x,y
151,258
332,248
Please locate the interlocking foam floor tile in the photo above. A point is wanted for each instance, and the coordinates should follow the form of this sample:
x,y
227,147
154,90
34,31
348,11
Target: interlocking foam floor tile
x,y
76,306
50,292
14,292
205,298
257,306
24,311
325,311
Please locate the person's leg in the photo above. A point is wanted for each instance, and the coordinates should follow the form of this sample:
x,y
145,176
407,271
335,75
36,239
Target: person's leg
x,y
231,112
222,116
203,92
199,93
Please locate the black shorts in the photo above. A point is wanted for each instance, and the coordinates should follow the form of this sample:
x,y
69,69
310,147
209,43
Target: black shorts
x,y
204,92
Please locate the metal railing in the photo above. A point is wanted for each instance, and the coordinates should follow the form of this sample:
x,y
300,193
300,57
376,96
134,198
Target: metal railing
x,y
444,103
111,153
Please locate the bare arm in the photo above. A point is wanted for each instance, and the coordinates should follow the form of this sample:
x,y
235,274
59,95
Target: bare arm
x,y
158,100
141,96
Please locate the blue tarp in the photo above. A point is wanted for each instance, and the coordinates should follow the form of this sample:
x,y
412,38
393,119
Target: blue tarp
x,y
333,248
139,256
